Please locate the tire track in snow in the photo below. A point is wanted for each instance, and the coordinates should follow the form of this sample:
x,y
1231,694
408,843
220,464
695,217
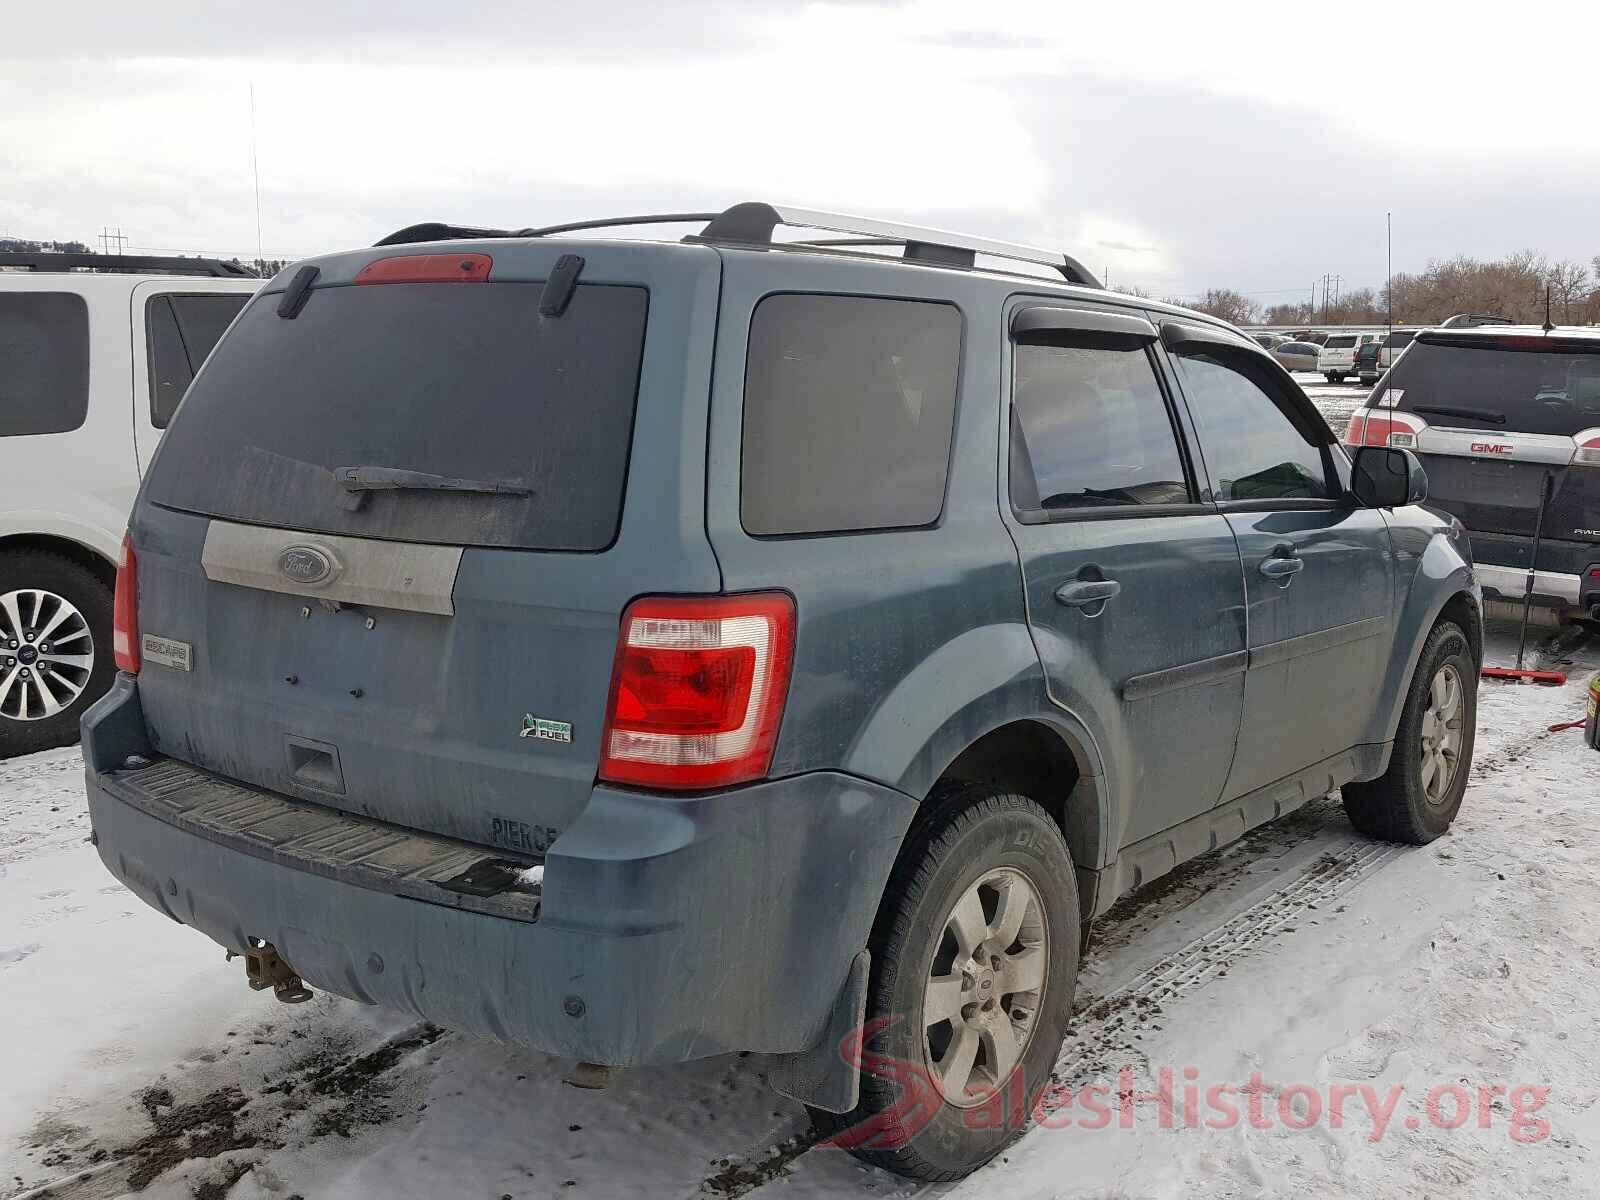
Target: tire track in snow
x,y
1104,1032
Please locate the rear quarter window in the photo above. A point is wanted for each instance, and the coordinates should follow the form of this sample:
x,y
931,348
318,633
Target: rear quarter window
x,y
849,405
44,363
180,331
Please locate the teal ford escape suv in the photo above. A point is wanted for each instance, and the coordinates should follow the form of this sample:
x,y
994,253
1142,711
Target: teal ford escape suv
x,y
646,650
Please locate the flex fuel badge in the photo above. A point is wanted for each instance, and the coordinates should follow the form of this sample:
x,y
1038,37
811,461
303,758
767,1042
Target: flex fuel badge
x,y
545,731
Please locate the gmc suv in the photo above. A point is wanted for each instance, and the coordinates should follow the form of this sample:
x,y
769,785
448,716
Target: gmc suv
x,y
647,650
1503,417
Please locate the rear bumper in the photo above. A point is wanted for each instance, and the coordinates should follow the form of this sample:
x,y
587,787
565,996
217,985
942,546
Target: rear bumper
x,y
1549,587
671,928
1562,580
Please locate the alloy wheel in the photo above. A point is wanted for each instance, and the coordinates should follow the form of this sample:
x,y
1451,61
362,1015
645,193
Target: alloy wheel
x,y
46,654
984,986
1441,735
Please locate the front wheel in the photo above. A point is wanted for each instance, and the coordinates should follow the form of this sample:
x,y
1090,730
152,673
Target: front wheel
x,y
1418,797
55,649
974,962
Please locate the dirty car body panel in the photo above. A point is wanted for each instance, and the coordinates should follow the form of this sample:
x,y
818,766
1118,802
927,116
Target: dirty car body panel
x,y
367,708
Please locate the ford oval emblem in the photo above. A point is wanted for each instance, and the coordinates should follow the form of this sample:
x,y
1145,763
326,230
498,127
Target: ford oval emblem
x,y
305,564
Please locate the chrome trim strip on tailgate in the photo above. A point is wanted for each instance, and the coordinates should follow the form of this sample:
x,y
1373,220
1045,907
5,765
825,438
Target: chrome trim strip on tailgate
x,y
1506,445
400,575
307,837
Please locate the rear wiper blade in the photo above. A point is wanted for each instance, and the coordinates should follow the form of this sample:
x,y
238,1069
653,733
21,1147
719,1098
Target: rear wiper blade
x,y
356,482
1476,414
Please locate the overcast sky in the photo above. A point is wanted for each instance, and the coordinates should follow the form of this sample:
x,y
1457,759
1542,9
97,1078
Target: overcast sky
x,y
1205,145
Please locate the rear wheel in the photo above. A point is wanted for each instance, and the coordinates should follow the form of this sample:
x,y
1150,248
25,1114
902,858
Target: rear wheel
x,y
55,649
1330,377
974,961
1419,795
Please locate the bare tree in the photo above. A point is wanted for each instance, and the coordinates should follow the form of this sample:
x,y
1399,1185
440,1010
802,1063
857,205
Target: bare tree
x,y
1570,290
1227,304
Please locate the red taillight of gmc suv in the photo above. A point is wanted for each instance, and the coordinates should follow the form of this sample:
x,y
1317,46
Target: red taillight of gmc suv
x,y
1588,452
125,611
698,690
1378,427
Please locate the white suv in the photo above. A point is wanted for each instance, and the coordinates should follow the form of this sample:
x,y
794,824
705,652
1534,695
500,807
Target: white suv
x,y
1337,358
95,353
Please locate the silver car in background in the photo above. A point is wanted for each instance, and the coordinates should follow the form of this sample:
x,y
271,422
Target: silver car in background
x,y
1296,356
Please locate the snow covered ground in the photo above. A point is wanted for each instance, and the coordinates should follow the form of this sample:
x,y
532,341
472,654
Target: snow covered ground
x,y
135,1061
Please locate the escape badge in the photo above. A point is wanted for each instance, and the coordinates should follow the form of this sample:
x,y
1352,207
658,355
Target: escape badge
x,y
545,731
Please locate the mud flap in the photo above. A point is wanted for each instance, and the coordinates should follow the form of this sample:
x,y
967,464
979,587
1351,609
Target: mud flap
x,y
820,1076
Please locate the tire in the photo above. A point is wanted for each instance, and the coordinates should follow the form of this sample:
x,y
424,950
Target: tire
x,y
1408,803
36,588
1330,377
971,841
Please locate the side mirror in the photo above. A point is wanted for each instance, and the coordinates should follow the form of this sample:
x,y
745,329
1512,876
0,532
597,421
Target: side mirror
x,y
1387,477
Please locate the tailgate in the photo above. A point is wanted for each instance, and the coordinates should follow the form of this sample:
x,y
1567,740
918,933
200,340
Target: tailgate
x,y
434,657
1493,481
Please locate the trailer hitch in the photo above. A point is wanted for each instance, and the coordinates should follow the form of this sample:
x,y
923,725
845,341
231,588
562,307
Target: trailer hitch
x,y
265,968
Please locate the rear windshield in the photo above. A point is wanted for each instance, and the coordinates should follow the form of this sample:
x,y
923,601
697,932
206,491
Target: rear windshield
x,y
1342,342
1527,391
1400,339
463,381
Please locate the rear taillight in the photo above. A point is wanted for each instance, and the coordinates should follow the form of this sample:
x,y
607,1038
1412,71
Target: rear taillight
x,y
428,268
698,689
125,611
1375,427
1588,451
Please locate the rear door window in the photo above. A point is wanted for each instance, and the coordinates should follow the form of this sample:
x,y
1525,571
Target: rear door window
x,y
1252,450
1091,429
461,381
44,363
179,332
849,406
1499,387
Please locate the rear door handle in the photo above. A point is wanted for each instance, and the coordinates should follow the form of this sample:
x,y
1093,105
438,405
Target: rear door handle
x,y
1088,593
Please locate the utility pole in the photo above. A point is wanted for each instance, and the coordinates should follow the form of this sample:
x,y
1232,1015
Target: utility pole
x,y
107,237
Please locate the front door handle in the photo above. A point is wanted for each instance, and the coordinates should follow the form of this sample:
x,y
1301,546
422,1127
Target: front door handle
x,y
1282,567
1088,593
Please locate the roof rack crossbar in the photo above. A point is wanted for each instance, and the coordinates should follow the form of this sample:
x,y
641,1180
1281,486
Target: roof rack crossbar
x,y
755,221
126,264
614,222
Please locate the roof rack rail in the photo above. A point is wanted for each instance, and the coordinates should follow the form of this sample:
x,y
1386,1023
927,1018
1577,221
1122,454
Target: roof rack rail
x,y
435,231
137,264
753,222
